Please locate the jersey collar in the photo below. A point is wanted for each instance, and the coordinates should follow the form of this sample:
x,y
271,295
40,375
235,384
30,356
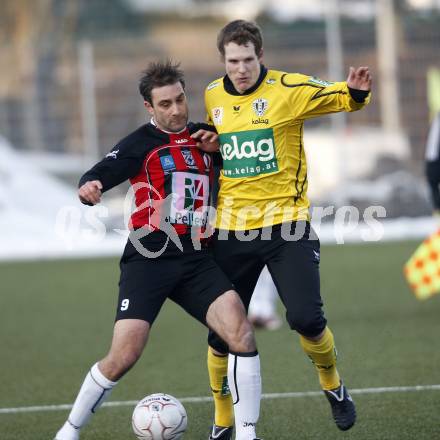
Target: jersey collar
x,y
229,87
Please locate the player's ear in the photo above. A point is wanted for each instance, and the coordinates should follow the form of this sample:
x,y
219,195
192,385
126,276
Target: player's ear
x,y
149,107
260,55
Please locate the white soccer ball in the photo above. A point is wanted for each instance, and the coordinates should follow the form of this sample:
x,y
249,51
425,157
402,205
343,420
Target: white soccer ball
x,y
159,417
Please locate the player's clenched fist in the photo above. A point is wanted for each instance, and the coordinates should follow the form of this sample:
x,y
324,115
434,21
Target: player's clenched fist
x,y
90,193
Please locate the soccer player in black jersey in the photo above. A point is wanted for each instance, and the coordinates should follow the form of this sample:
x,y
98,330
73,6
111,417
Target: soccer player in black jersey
x,y
164,257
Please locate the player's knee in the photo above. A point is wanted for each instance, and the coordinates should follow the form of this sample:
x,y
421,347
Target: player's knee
x,y
242,340
115,366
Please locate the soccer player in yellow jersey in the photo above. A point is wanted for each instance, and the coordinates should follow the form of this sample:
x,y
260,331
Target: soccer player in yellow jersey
x,y
262,212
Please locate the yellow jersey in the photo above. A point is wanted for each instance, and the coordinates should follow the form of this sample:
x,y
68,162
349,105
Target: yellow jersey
x,y
264,177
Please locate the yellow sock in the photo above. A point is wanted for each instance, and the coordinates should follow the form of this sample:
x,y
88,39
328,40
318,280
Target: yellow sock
x,y
218,380
323,355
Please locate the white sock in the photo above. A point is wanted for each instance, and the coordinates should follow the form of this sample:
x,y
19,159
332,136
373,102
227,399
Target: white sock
x,y
94,390
245,385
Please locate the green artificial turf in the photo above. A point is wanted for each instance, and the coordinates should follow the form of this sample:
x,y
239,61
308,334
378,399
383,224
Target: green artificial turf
x,y
56,321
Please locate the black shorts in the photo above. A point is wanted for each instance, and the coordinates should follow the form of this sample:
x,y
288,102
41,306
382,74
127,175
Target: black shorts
x,y
191,279
293,264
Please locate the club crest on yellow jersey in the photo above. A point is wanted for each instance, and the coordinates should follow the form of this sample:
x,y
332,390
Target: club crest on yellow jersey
x,y
260,106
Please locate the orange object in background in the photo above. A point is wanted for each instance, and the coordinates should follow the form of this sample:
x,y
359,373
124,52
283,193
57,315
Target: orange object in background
x,y
422,270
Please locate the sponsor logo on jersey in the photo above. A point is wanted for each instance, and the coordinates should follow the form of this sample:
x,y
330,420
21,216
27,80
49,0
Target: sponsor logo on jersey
x,y
319,82
208,161
271,81
260,121
225,391
217,115
189,159
190,199
167,163
213,85
113,154
260,106
248,153
181,141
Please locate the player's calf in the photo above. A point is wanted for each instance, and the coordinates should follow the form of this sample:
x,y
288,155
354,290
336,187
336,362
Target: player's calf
x,y
227,317
129,339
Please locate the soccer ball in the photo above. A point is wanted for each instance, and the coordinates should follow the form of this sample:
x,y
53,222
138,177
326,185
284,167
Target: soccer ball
x,y
159,417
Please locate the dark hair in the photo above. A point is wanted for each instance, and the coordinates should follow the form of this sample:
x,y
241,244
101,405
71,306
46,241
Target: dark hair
x,y
159,74
240,32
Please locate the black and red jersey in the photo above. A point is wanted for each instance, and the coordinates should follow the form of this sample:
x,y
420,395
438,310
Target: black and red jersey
x,y
169,175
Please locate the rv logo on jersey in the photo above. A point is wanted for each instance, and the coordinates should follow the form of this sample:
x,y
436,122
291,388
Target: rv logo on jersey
x,y
191,209
248,153
260,106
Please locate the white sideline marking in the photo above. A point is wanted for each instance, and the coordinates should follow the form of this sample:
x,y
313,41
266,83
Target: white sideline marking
x,y
42,408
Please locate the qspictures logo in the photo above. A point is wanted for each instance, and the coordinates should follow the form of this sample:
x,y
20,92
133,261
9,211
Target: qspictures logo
x,y
248,153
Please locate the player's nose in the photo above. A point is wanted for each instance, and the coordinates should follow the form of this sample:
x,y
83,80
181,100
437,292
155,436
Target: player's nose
x,y
175,109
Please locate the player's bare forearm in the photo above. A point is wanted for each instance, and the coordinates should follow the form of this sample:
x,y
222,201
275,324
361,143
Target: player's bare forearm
x,y
90,193
359,78
206,140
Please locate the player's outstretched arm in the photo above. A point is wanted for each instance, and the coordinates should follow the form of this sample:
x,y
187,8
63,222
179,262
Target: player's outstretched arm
x,y
359,78
90,192
206,140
